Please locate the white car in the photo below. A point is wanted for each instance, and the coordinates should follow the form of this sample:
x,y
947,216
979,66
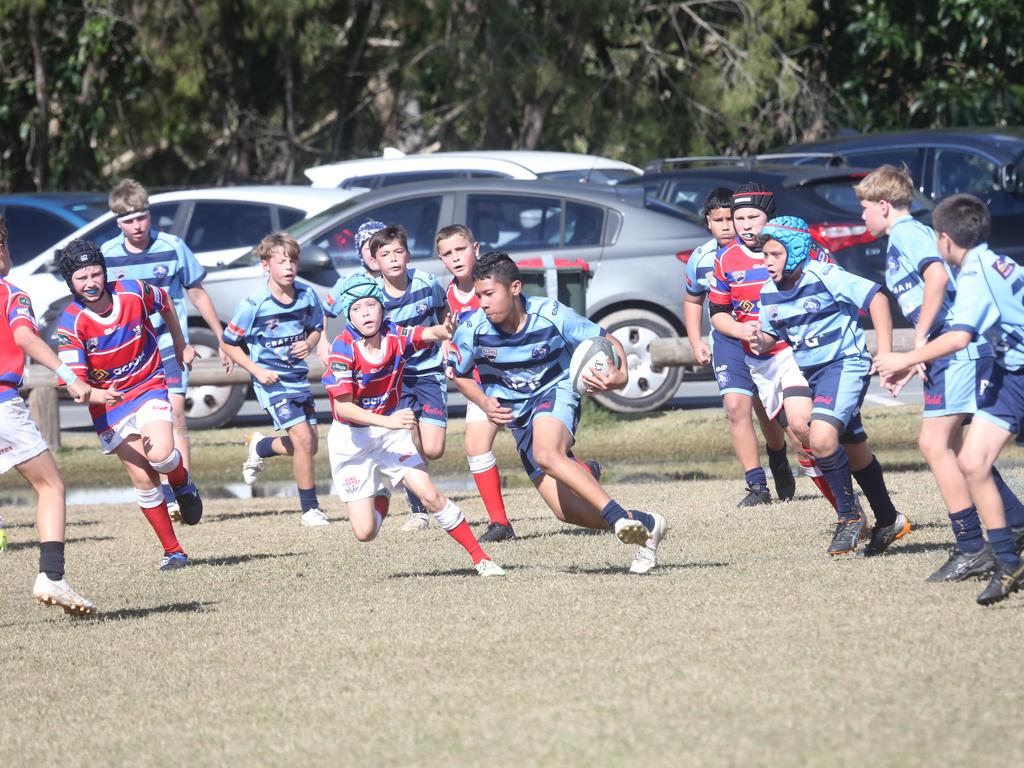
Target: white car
x,y
395,167
219,224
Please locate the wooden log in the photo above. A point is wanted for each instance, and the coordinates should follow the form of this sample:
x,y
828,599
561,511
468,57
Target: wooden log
x,y
42,402
677,350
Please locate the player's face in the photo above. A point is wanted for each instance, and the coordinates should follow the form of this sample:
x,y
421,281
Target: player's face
x,y
366,316
497,300
459,255
874,215
136,230
392,258
89,282
280,268
368,261
774,254
719,223
748,223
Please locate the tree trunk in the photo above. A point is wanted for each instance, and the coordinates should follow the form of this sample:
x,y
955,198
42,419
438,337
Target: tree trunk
x,y
42,144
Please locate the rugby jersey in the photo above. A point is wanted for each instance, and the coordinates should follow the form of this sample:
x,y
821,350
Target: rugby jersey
x,y
736,281
17,313
269,328
819,316
911,249
373,385
990,303
700,269
517,368
421,304
118,349
463,308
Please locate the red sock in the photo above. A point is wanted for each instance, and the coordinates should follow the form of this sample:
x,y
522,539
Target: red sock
x,y
161,522
819,480
488,483
178,476
382,504
462,534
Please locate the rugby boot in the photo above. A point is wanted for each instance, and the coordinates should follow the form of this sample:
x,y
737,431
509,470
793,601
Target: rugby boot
x,y
847,536
646,557
965,565
756,496
489,568
172,561
882,537
498,532
59,593
595,468
190,503
785,484
253,464
1004,583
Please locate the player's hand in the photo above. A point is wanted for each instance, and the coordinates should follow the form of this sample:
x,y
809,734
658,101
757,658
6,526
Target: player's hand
x,y
497,413
112,396
300,349
614,378
227,362
444,331
266,378
895,386
402,419
889,365
188,356
752,334
702,354
80,391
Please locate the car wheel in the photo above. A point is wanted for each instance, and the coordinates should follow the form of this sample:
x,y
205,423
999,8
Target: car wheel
x,y
648,387
209,406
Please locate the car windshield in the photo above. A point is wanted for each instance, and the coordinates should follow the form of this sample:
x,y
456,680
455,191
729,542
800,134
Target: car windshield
x,y
299,231
840,194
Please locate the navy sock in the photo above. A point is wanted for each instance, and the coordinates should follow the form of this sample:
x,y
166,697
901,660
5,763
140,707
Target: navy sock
x,y
414,502
756,478
1011,504
1001,540
307,499
967,530
51,559
872,482
265,448
836,469
612,512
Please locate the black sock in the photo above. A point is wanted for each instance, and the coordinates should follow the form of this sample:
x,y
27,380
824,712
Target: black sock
x,y
778,462
872,482
51,559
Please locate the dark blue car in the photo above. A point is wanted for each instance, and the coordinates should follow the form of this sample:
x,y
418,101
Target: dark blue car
x,y
37,221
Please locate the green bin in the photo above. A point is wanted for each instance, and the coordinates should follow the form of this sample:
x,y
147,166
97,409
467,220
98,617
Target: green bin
x,y
562,279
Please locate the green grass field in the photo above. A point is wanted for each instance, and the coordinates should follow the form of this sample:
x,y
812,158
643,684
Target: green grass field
x,y
281,645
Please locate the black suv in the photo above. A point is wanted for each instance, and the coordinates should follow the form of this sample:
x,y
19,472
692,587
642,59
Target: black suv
x,y
823,197
987,162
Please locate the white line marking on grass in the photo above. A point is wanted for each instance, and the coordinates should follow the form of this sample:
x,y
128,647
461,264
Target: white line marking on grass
x,y
888,402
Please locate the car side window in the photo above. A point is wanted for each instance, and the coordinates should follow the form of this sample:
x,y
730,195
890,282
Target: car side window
x,y
288,216
690,194
957,171
584,224
419,217
30,231
515,223
220,224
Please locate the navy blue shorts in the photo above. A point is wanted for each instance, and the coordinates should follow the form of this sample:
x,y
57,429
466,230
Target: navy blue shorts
x,y
730,362
288,411
560,402
952,385
838,391
427,396
1001,399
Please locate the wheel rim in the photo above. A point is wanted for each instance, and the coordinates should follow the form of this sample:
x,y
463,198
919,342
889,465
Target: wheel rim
x,y
207,399
644,379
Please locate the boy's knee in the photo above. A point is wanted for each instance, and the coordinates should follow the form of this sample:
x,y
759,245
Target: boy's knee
x,y
973,467
365,535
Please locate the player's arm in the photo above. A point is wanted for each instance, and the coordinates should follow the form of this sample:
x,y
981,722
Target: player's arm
x,y
39,350
204,304
727,325
346,409
184,351
881,319
693,308
895,364
497,414
936,280
243,361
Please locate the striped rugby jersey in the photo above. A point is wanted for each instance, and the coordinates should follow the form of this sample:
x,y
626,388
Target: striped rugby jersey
x,y
990,303
17,313
736,281
421,304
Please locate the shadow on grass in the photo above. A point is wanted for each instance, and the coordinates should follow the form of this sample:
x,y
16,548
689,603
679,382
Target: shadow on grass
x,y
563,532
69,524
915,548
224,516
239,559
610,570
16,545
193,606
661,477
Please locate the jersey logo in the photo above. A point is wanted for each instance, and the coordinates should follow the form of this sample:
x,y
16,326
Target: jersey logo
x,y
137,331
747,305
160,270
812,305
351,484
63,340
99,375
24,300
739,276
1004,267
119,274
541,350
773,312
489,353
723,378
110,330
338,367
893,264
272,324
422,307
91,345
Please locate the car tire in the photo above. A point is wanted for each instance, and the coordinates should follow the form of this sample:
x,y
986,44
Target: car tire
x,y
209,406
649,387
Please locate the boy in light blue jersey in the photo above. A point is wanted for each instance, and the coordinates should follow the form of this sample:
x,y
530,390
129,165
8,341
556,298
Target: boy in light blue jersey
x,y
989,303
414,298
165,261
281,324
521,348
814,307
731,370
924,286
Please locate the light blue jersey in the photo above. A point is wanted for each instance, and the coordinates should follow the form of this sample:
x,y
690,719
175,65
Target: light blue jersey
x,y
911,249
818,317
269,328
990,303
169,264
518,368
421,305
700,269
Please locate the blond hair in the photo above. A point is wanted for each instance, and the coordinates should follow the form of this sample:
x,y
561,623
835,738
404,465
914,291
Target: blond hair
x,y
451,231
128,196
270,243
889,183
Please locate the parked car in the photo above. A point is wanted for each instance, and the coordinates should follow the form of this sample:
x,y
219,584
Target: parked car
x,y
633,247
986,162
395,167
35,221
823,197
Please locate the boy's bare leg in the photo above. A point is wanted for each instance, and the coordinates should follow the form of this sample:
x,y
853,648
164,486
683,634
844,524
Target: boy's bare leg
x,y
146,482
939,439
420,520
305,443
567,506
775,446
738,410
363,519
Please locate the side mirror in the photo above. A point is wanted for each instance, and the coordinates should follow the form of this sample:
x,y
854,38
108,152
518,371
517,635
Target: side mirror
x,y
313,258
1008,179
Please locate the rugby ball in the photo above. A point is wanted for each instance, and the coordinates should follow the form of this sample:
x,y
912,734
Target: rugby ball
x,y
595,354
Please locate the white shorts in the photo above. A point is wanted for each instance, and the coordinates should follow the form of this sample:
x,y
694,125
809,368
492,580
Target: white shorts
x,y
132,424
361,457
474,412
19,436
774,375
